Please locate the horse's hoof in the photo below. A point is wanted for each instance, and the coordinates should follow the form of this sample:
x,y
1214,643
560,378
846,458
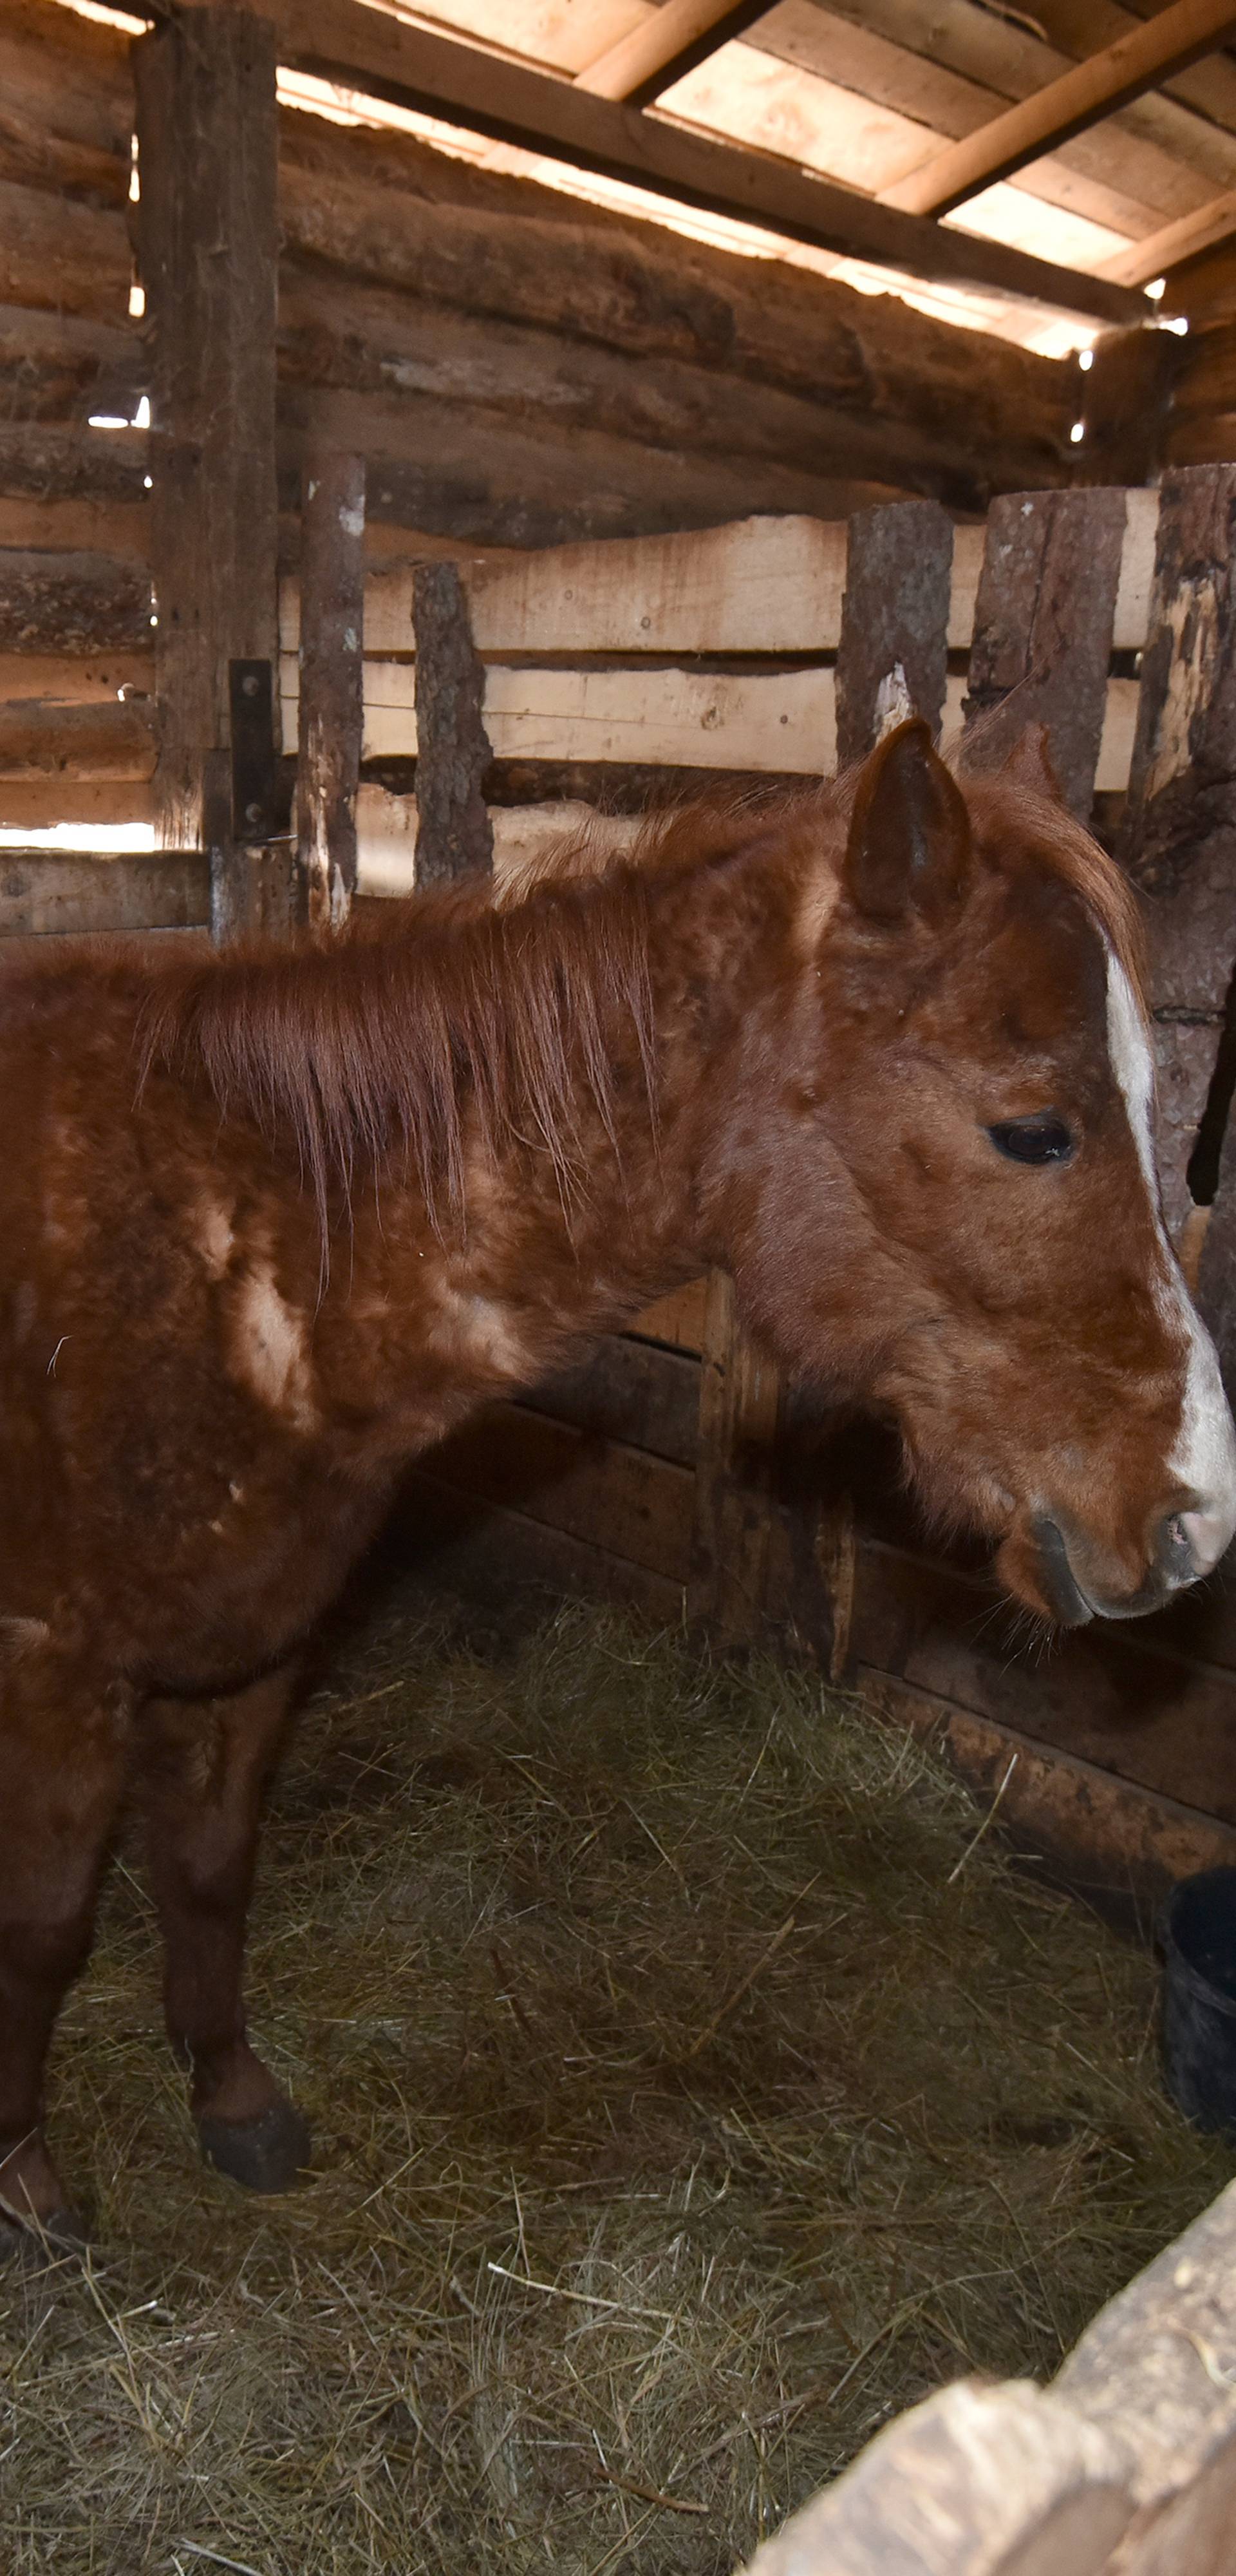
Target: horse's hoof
x,y
36,2245
266,2153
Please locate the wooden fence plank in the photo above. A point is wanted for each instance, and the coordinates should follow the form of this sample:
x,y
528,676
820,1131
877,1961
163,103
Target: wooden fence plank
x,y
1044,622
626,1390
731,1537
331,697
600,1491
454,834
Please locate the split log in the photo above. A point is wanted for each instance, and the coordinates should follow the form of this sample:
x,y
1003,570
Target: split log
x,y
1042,635
60,255
47,462
454,836
43,739
452,469
74,604
351,339
331,707
768,327
1180,828
69,75
210,74
59,367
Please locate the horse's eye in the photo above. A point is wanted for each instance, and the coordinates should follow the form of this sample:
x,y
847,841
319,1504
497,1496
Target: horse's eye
x,y
1044,1139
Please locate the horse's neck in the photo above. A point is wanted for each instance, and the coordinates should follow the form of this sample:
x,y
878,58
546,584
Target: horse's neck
x,y
543,1249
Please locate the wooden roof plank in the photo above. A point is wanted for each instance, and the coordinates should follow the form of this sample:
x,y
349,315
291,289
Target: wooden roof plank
x,y
1140,60
654,55
1160,251
343,40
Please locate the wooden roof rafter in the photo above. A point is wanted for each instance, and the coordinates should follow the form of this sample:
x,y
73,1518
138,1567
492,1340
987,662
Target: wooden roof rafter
x,y
369,50
1142,59
655,55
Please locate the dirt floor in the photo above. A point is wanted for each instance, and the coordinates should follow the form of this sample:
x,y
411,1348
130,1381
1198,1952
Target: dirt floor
x,y
693,2084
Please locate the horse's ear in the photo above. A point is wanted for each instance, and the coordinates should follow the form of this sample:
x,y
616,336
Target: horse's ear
x,y
910,846
1028,765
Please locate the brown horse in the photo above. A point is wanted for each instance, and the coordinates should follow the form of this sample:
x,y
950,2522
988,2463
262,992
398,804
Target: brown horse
x,y
271,1223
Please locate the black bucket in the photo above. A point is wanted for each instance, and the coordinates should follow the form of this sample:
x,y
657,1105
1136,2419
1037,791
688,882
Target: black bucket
x,y
1199,1999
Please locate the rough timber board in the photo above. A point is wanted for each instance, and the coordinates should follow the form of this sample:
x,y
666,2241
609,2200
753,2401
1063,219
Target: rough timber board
x,y
759,585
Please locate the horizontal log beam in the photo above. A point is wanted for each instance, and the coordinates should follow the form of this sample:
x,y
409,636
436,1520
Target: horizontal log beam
x,y
1139,60
72,603
368,50
44,738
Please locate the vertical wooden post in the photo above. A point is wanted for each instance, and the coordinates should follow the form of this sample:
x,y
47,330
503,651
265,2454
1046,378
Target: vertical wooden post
x,y
1179,840
734,1497
332,709
454,835
893,655
768,1536
1043,624
207,158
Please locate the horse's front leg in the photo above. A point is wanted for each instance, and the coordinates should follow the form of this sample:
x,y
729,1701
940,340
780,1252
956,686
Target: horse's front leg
x,y
205,1765
62,1753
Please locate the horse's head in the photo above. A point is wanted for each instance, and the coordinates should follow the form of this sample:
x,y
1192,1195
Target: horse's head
x,y
960,1221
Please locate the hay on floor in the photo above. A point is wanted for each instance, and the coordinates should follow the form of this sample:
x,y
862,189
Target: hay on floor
x,y
692,2090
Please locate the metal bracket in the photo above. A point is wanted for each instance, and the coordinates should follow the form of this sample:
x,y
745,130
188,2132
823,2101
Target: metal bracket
x,y
255,762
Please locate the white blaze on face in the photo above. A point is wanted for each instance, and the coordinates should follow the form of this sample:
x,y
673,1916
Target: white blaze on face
x,y
1203,1458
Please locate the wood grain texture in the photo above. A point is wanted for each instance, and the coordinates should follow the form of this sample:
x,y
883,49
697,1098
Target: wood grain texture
x,y
331,702
454,835
1179,839
1043,635
206,121
893,652
46,891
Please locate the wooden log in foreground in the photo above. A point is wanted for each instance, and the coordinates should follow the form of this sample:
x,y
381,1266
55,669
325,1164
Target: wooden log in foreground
x,y
1124,2466
75,891
72,603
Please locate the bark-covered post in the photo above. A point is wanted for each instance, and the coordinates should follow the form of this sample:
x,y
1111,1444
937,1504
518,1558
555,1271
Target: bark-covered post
x,y
1180,849
332,711
892,662
893,655
1043,623
208,238
454,835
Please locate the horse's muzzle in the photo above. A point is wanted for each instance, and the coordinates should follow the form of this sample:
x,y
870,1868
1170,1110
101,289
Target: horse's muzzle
x,y
1179,1557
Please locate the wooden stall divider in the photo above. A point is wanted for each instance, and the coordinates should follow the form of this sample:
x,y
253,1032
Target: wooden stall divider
x,y
1179,840
769,1538
208,144
1043,634
454,835
332,713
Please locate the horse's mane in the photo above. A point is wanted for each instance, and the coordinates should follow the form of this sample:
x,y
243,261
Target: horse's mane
x,y
388,1032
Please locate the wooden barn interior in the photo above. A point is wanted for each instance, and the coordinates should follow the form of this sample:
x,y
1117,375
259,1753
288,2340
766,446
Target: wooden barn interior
x,y
650,352
430,430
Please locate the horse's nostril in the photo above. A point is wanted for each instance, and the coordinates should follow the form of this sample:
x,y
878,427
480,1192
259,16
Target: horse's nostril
x,y
1175,1558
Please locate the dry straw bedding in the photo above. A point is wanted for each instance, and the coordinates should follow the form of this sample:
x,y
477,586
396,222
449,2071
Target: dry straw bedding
x,y
691,2091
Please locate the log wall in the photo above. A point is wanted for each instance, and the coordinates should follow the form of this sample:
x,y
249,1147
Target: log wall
x,y
515,368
